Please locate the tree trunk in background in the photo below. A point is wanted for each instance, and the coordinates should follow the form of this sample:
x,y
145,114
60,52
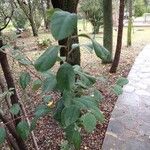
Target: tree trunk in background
x,y
29,14
96,28
108,28
129,35
44,14
31,19
119,38
48,6
70,6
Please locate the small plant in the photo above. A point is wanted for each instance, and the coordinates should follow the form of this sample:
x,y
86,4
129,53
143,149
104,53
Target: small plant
x,y
43,43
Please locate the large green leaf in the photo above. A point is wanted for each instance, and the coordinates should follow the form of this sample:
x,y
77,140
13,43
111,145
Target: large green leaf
x,y
63,24
70,115
89,122
47,59
65,77
15,109
25,79
100,51
49,83
23,129
2,135
122,81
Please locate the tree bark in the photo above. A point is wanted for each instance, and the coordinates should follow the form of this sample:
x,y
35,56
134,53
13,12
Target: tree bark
x,y
119,38
108,28
129,34
9,79
70,6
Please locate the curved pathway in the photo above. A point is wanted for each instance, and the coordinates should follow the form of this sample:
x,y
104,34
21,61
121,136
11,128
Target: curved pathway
x,y
129,127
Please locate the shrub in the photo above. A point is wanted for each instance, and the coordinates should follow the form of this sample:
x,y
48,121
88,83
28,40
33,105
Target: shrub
x,y
93,10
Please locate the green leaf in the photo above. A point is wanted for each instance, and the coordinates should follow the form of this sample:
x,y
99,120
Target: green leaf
x,y
76,140
2,135
49,83
67,97
98,114
86,79
73,136
36,85
33,124
47,98
117,89
70,115
98,96
89,122
47,59
25,79
50,13
59,108
85,102
42,110
100,51
23,129
15,109
122,81
63,24
65,77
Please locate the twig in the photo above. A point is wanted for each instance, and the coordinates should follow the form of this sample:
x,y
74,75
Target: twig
x,y
32,133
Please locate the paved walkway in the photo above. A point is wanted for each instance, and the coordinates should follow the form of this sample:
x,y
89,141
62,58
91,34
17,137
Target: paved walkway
x,y
129,127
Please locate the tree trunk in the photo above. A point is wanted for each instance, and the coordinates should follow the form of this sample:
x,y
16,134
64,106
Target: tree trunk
x,y
29,14
10,84
96,29
70,6
48,6
31,19
44,14
33,26
119,38
12,130
129,35
108,28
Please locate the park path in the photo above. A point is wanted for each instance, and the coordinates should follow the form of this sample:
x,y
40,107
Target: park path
x,y
129,127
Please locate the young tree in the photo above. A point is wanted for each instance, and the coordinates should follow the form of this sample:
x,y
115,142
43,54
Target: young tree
x,y
74,57
33,11
119,38
108,28
93,10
